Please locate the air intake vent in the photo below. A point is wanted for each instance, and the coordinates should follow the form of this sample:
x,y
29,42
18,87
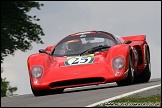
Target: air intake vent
x,y
77,82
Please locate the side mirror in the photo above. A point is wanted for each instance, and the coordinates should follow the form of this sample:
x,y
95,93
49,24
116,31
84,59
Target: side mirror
x,y
43,51
127,42
49,48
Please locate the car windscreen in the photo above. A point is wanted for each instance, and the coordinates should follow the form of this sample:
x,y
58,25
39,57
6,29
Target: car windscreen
x,y
74,45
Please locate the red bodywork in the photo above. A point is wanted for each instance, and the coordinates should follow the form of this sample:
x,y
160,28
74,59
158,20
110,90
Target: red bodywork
x,y
57,75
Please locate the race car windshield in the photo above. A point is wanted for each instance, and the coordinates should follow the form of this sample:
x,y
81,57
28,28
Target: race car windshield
x,y
94,49
75,45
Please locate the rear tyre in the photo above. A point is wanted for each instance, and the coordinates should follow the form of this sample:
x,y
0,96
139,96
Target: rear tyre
x,y
130,78
146,73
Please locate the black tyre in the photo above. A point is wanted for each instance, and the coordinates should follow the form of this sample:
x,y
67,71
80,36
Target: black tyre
x,y
130,78
39,92
57,91
146,73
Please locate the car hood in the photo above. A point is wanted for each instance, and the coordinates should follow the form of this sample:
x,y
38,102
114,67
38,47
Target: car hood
x,y
77,60
78,67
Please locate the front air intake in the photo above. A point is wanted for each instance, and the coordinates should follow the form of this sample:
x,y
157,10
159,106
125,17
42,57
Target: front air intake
x,y
75,82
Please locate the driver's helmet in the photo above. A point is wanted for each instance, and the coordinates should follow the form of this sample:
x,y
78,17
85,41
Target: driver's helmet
x,y
74,44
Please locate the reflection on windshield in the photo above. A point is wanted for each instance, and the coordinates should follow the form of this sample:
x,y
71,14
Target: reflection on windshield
x,y
77,44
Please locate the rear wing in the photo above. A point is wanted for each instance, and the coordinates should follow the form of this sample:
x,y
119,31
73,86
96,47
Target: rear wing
x,y
134,38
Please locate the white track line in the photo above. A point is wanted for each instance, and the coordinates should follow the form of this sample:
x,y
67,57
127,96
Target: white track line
x,y
123,95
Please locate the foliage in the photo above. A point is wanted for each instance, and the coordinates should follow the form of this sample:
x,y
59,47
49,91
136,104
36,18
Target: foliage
x,y
6,89
18,29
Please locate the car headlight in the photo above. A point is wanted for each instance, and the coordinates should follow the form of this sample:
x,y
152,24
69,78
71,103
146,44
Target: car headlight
x,y
118,62
37,71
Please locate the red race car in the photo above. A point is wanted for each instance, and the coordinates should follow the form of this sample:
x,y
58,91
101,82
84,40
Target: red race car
x,y
89,58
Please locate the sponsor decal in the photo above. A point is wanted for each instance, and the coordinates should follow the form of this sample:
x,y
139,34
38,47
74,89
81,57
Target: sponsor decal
x,y
83,35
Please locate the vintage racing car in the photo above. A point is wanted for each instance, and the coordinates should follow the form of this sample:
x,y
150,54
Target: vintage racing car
x,y
89,58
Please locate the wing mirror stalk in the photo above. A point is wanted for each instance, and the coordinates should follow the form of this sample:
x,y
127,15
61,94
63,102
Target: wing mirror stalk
x,y
127,42
43,51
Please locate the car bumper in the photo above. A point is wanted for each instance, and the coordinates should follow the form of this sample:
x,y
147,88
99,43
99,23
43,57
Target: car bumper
x,y
75,76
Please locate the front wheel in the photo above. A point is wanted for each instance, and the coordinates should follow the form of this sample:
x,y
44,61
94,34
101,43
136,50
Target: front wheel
x,y
58,91
39,92
130,78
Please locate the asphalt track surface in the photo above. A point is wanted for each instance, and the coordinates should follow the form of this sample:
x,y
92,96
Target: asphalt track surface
x,y
79,96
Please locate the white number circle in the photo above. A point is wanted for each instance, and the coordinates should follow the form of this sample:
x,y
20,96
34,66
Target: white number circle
x,y
79,60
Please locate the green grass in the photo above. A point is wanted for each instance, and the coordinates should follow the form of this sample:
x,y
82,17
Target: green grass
x,y
151,101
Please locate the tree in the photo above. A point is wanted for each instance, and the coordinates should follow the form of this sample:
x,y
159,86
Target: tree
x,y
18,29
6,89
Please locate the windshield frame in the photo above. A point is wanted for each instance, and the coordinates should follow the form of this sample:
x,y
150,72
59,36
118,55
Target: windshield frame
x,y
100,34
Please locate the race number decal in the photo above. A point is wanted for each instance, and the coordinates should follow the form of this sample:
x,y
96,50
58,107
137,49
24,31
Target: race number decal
x,y
76,60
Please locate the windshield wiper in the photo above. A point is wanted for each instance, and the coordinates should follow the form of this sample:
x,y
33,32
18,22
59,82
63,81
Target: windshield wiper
x,y
94,49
